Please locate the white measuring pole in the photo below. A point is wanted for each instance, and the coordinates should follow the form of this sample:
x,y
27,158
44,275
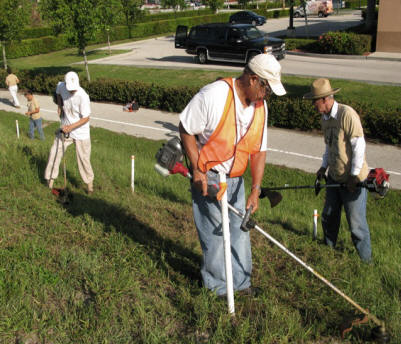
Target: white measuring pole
x,y
16,123
227,247
315,215
132,173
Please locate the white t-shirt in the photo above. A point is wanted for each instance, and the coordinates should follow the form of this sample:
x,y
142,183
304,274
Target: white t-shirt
x,y
76,106
203,113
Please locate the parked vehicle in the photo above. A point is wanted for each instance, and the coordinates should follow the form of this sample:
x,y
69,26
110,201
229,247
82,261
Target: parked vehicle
x,y
227,42
315,7
247,17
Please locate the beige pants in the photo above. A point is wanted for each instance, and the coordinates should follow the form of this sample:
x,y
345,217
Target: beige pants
x,y
14,93
83,151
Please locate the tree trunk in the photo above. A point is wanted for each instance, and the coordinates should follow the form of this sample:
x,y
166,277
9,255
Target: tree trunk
x,y
283,4
3,44
370,14
86,65
108,42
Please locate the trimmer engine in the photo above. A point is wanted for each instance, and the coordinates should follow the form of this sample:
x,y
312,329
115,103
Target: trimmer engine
x,y
377,182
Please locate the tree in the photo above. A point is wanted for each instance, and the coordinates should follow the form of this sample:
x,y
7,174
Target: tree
x,y
14,15
109,12
370,15
132,11
243,3
79,19
215,5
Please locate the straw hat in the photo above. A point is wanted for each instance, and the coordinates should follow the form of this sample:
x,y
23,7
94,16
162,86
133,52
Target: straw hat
x,y
320,88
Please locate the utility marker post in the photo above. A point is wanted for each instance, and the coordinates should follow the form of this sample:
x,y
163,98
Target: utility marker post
x,y
227,246
16,124
315,216
132,173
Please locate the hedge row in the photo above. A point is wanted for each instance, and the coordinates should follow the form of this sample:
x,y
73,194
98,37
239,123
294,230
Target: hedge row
x,y
285,112
333,43
37,32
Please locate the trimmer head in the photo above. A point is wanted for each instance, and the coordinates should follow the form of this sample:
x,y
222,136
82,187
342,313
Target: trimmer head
x,y
63,196
380,335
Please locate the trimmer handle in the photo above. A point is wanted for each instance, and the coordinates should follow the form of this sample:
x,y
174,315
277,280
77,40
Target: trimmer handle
x,y
247,224
60,131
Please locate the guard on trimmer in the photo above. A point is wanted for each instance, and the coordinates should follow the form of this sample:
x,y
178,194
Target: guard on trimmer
x,y
344,157
224,124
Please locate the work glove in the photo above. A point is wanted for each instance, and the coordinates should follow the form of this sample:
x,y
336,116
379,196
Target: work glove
x,y
352,183
321,173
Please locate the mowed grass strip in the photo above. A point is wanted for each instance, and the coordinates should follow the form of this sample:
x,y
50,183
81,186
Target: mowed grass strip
x,y
123,267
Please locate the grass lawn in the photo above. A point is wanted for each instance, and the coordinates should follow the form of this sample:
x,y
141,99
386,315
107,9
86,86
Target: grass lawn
x,y
123,267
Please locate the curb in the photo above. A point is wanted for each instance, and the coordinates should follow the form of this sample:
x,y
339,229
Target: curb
x,y
342,57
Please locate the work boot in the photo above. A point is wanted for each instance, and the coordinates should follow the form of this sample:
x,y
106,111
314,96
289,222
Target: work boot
x,y
50,183
90,188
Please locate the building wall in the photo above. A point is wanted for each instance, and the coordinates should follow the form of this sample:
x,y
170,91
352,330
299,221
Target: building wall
x,y
389,26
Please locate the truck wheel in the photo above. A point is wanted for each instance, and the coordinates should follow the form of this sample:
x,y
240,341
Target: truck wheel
x,y
202,56
296,15
320,14
253,23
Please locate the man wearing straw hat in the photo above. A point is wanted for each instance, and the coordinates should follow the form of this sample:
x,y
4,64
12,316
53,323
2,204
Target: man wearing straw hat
x,y
344,157
223,125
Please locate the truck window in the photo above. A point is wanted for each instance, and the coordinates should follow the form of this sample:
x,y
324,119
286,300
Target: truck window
x,y
198,33
234,34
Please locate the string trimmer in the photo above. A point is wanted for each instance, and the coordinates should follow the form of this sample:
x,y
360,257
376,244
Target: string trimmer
x,y
377,182
169,161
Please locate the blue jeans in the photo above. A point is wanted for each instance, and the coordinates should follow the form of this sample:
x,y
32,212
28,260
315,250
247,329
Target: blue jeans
x,y
355,209
38,124
207,216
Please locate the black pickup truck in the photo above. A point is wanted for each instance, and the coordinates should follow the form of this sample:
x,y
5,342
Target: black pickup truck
x,y
226,42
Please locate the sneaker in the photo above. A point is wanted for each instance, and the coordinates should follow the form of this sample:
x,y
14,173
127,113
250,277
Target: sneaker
x,y
50,183
251,291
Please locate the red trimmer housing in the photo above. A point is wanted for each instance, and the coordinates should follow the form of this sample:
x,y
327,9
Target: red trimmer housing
x,y
377,181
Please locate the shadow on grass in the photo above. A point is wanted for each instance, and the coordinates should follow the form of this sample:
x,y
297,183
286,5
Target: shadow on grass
x,y
88,53
176,257
287,225
40,166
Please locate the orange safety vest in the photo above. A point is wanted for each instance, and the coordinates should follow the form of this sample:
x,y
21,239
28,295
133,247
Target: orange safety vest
x,y
222,145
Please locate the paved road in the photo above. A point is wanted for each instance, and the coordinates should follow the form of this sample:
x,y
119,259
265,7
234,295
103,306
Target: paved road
x,y
286,147
160,53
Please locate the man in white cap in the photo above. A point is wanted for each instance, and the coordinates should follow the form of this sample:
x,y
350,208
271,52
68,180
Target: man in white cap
x,y
223,125
74,111
344,157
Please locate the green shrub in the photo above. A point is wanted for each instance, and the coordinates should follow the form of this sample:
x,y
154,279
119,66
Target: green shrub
x,y
35,46
284,112
37,32
344,43
305,44
355,3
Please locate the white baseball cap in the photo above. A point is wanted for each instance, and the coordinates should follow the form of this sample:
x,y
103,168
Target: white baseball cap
x,y
268,68
71,81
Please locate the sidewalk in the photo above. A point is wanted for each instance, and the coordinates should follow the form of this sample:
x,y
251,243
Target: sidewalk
x,y
288,148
